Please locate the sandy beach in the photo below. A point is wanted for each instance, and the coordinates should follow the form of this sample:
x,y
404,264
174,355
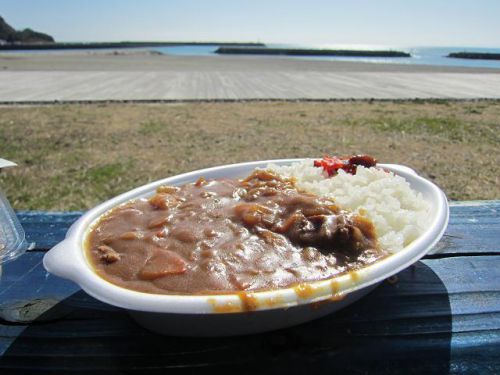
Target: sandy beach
x,y
143,60
144,75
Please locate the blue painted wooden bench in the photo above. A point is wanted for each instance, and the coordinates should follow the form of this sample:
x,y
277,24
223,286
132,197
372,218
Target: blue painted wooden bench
x,y
441,315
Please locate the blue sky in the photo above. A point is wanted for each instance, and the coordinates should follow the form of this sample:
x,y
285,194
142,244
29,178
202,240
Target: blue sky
x,y
320,22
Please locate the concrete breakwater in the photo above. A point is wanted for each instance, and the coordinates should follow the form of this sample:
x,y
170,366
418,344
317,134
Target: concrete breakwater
x,y
475,55
307,52
107,45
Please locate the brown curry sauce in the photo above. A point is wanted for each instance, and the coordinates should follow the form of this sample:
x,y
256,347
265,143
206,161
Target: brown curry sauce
x,y
220,236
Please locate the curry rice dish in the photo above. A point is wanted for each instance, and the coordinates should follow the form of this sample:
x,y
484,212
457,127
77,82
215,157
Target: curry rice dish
x,y
229,235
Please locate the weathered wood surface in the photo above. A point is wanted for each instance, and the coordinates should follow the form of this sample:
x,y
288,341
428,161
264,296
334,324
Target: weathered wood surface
x,y
46,229
442,315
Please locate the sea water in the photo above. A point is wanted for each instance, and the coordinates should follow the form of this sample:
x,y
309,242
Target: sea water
x,y
419,55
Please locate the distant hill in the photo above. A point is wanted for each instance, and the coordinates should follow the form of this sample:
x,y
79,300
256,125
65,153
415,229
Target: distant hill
x,y
9,35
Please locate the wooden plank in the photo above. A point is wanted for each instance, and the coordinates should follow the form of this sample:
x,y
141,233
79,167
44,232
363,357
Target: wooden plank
x,y
46,229
474,228
442,315
444,312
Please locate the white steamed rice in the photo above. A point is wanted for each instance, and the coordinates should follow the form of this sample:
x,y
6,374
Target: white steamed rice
x,y
398,213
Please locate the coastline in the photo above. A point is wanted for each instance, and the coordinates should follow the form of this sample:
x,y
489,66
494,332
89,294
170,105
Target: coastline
x,y
150,60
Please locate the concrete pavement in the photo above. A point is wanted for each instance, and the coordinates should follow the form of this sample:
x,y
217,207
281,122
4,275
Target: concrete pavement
x,y
89,77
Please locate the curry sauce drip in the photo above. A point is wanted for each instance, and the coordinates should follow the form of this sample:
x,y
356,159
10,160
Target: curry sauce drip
x,y
229,235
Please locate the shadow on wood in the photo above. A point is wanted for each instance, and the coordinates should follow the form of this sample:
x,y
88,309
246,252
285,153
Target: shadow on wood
x,y
402,327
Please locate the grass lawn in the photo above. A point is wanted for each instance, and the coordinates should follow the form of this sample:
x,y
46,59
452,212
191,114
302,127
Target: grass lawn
x,y
72,157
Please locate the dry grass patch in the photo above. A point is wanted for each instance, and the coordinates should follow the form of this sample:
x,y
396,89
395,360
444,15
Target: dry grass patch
x,y
75,156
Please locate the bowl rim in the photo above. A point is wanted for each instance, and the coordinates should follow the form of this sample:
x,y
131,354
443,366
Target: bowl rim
x,y
68,258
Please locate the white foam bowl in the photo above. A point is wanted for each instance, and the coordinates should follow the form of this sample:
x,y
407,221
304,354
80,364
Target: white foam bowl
x,y
237,313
